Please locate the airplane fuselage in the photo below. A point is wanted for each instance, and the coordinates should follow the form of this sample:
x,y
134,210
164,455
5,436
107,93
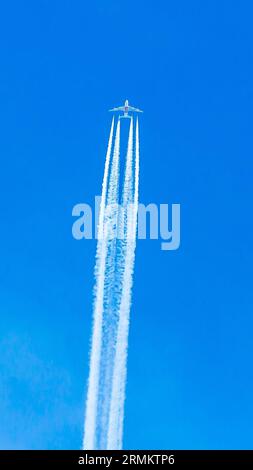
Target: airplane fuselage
x,y
126,108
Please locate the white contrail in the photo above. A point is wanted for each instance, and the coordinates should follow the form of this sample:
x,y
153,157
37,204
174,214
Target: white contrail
x,y
113,272
93,383
128,183
109,304
115,431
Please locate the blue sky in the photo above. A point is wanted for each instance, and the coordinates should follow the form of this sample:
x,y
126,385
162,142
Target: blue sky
x,y
189,66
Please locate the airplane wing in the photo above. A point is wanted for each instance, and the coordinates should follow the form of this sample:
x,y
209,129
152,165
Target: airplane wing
x,y
131,108
120,108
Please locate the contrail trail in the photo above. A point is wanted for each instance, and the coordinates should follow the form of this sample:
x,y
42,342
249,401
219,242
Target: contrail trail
x,y
113,274
115,432
109,305
128,183
93,383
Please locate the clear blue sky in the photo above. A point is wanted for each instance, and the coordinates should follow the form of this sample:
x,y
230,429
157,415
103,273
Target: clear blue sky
x,y
189,66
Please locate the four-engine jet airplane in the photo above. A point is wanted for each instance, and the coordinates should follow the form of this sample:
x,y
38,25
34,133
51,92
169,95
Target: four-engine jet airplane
x,y
126,108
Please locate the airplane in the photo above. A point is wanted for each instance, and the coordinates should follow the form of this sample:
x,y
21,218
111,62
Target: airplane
x,y
126,108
